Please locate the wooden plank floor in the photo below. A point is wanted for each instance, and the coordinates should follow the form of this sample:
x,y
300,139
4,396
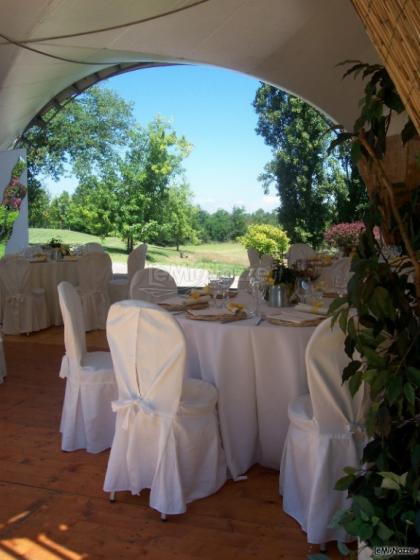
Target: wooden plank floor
x,y
52,505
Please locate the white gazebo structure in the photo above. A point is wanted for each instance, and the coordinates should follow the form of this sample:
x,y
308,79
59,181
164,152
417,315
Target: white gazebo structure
x,y
51,50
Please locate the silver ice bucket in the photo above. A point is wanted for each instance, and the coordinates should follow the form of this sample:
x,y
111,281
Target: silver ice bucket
x,y
278,296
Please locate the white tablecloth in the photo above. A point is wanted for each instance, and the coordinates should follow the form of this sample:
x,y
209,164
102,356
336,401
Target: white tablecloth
x,y
258,370
48,275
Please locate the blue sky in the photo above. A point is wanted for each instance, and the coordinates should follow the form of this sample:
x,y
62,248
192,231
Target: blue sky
x,y
213,109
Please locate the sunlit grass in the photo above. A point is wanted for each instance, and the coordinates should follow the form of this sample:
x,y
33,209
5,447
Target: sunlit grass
x,y
214,257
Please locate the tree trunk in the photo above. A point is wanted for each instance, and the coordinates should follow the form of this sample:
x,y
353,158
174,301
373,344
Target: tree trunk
x,y
129,244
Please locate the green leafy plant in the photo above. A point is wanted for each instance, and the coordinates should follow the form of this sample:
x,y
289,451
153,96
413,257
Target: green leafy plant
x,y
266,240
380,315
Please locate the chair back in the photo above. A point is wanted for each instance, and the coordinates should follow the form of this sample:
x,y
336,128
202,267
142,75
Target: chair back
x,y
148,352
74,325
243,281
334,409
32,250
136,260
253,257
337,275
299,251
94,272
266,262
153,285
92,247
15,275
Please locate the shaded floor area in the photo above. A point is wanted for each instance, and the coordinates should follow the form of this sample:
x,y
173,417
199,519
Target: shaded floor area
x,y
52,505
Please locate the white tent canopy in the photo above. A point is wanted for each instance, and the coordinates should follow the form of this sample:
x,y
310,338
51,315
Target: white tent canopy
x,y
294,44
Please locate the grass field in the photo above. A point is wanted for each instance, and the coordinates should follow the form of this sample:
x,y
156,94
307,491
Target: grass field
x,y
215,257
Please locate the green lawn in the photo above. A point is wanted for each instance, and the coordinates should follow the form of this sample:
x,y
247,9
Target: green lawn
x,y
215,257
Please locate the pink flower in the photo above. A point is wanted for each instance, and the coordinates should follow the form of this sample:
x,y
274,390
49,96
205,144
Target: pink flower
x,y
346,234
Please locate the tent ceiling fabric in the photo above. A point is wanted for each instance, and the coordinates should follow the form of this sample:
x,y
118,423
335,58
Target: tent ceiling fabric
x,y
293,44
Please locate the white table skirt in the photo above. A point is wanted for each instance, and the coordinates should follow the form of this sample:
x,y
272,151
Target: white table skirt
x,y
48,275
257,370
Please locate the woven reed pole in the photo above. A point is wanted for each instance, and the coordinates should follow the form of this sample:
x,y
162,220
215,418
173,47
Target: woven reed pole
x,y
394,28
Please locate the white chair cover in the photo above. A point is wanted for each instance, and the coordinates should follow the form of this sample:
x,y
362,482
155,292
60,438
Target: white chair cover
x,y
92,247
266,261
256,261
23,309
3,370
253,257
87,420
243,281
119,287
153,285
94,271
299,251
325,435
166,436
32,250
337,275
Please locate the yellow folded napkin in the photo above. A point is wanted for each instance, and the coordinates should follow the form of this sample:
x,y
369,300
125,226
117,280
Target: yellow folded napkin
x,y
235,307
194,299
317,307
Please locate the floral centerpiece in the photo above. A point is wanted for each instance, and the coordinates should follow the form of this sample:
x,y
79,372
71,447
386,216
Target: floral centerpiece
x,y
56,245
345,236
10,205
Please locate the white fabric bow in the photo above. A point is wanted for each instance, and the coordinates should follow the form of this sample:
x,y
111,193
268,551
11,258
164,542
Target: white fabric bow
x,y
130,407
355,427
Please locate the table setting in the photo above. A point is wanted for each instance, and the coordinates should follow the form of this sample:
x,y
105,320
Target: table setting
x,y
253,352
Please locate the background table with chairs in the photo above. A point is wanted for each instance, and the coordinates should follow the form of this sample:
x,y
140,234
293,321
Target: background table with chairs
x,y
48,274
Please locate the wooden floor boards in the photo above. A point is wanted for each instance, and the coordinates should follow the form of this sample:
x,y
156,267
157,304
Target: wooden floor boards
x,y
52,505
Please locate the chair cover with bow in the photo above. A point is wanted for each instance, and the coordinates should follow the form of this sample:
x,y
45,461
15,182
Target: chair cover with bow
x,y
152,284
23,309
166,436
119,286
299,251
94,272
337,275
87,420
325,435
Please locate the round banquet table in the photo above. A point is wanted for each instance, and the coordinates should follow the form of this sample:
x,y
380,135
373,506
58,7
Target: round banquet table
x,y
48,275
258,370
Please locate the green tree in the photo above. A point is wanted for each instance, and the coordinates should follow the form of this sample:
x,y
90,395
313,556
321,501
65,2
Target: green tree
x,y
307,179
93,207
178,215
82,138
239,219
260,216
38,205
219,225
152,162
59,211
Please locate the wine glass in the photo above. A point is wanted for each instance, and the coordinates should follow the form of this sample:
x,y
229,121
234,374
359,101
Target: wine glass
x,y
258,284
226,282
304,289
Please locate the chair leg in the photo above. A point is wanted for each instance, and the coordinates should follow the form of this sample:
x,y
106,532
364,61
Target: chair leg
x,y
112,497
163,517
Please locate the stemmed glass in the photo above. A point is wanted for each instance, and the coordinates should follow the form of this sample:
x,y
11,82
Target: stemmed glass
x,y
215,289
258,284
226,282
